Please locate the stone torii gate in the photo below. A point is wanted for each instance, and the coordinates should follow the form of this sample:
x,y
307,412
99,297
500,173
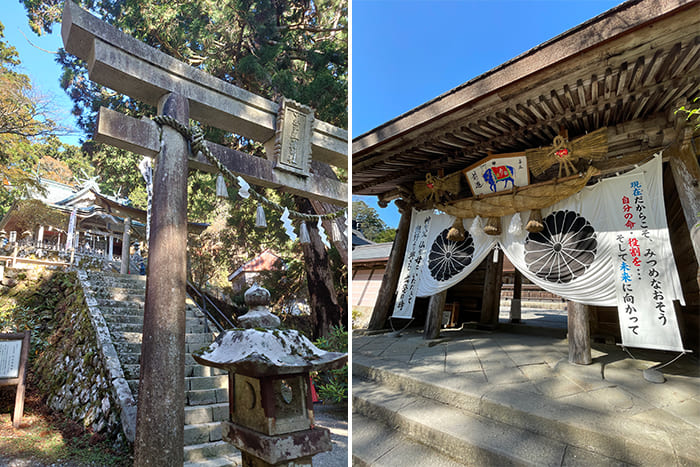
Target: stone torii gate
x,y
292,138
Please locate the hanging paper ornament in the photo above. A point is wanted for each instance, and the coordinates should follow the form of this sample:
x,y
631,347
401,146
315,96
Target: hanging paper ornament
x,y
221,190
475,228
516,225
322,233
244,187
336,235
260,220
287,223
304,234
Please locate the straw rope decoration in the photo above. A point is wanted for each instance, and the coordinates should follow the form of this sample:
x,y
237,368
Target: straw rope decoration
x,y
195,136
593,146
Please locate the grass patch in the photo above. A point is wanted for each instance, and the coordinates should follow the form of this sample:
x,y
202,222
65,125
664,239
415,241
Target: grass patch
x,y
47,437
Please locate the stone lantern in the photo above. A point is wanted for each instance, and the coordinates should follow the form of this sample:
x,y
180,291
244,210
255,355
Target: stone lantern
x,y
270,402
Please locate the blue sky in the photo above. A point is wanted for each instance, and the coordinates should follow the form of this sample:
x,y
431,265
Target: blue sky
x,y
405,53
39,64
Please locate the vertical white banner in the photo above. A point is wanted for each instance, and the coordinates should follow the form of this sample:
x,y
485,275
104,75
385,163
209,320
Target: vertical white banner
x,y
643,262
416,248
71,228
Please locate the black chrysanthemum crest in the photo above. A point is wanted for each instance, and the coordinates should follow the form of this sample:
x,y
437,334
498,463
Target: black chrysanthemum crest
x,y
564,249
448,258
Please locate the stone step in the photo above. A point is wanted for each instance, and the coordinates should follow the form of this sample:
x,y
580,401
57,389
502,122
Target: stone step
x,y
126,309
123,346
206,396
227,461
131,371
201,339
584,432
201,454
202,433
206,382
461,435
206,413
114,318
206,378
194,326
376,444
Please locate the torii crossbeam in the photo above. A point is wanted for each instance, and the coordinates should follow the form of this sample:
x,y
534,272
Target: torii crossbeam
x,y
292,138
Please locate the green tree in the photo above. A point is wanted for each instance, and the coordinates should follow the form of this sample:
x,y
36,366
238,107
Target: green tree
x,y
24,120
292,48
370,224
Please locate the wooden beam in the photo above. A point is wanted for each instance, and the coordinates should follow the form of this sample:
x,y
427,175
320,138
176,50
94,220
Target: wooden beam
x,y
133,68
142,136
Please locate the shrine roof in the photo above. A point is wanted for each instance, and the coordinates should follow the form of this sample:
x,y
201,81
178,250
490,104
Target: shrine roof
x,y
372,252
626,69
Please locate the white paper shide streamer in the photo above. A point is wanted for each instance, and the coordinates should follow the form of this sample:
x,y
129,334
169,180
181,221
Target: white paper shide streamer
x,y
260,220
221,190
287,223
304,234
322,233
243,190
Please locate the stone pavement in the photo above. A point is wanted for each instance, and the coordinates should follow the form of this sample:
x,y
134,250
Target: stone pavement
x,y
522,391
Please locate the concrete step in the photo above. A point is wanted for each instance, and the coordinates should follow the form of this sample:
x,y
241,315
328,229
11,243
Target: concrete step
x,y
200,454
375,444
398,397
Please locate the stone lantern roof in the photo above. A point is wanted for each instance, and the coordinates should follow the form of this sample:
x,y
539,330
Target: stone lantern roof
x,y
260,349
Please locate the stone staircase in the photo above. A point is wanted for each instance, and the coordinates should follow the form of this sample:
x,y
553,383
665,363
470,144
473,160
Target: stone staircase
x,y
499,399
120,298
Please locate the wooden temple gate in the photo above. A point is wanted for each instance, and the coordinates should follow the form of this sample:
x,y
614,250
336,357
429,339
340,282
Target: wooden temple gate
x,y
625,73
181,92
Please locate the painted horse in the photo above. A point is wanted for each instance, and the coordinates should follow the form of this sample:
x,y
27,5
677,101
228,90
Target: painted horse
x,y
500,173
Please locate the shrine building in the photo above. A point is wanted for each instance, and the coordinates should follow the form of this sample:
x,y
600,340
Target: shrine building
x,y
571,160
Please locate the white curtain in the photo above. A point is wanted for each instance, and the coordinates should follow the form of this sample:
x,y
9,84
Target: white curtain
x,y
579,255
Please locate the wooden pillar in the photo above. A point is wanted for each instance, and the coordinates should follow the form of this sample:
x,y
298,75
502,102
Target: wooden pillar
x,y
491,302
160,418
124,269
433,321
686,175
110,248
517,295
579,333
393,269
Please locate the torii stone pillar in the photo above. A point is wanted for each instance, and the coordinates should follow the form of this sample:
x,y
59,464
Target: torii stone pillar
x,y
124,269
160,433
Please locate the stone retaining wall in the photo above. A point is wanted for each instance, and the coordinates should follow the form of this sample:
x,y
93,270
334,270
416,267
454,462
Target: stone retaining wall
x,y
72,372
